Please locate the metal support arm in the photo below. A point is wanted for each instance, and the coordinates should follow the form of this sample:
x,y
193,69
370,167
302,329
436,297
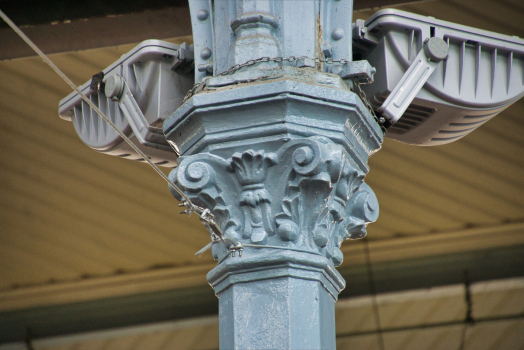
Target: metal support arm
x,y
434,51
117,90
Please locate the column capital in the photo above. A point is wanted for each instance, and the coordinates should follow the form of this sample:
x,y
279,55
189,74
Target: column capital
x,y
307,196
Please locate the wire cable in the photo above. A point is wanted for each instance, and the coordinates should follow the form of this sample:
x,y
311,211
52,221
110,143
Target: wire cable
x,y
205,215
88,101
469,321
373,290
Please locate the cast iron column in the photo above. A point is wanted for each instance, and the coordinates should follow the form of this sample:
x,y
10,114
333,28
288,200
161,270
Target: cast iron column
x,y
278,151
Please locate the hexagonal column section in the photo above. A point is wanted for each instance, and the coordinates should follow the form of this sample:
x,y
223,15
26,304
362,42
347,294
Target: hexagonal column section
x,y
280,163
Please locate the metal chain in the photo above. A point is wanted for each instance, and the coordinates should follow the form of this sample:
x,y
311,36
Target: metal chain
x,y
364,98
206,216
200,85
236,67
215,238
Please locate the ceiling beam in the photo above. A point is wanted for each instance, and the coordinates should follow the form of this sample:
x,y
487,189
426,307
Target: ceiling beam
x,y
199,300
122,285
98,32
388,257
77,33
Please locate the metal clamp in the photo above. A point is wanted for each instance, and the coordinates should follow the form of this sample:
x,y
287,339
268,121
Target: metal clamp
x,y
360,70
97,83
190,207
236,248
184,63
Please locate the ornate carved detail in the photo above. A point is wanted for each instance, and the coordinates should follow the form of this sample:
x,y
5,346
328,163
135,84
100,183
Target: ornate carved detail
x,y
307,195
250,169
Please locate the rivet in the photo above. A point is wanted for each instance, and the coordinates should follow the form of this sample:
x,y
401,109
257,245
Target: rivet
x,y
202,15
205,53
337,34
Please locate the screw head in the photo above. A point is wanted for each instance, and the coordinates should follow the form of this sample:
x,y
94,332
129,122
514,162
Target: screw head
x,y
381,120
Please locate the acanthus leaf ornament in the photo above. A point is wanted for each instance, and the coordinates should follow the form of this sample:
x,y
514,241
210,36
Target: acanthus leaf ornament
x,y
251,168
307,195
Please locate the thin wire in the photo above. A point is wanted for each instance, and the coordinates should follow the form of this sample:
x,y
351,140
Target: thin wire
x,y
463,337
373,290
29,339
192,207
469,320
240,247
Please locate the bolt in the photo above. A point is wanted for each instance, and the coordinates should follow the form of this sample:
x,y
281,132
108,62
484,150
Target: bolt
x,y
336,69
205,53
381,120
114,87
337,34
195,171
327,49
436,49
202,15
305,62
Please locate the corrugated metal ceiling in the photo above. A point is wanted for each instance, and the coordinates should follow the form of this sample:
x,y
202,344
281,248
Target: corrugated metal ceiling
x,y
420,320
69,214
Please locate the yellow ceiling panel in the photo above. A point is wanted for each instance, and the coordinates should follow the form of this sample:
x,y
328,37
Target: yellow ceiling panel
x,y
68,213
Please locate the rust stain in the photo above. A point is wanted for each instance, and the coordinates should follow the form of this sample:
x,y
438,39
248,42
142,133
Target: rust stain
x,y
318,42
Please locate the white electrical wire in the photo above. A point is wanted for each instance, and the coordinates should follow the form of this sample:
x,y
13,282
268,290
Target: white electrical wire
x,y
205,215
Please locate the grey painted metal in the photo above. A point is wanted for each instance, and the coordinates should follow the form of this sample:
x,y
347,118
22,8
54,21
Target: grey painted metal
x,y
277,149
142,90
360,70
413,80
483,75
273,142
246,30
94,32
306,194
202,25
278,300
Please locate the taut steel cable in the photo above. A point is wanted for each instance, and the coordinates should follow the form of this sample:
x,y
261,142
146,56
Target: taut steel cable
x,y
205,215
